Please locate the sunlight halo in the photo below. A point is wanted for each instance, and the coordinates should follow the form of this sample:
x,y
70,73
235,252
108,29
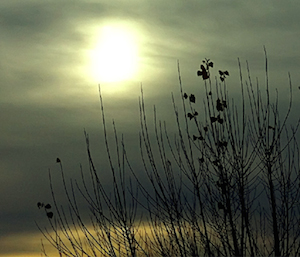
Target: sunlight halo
x,y
114,55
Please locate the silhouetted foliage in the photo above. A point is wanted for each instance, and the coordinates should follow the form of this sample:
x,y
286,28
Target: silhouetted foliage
x,y
227,184
46,208
49,215
204,70
192,98
40,205
223,74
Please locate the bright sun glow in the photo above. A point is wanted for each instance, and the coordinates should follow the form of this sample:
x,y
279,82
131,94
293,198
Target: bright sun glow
x,y
114,57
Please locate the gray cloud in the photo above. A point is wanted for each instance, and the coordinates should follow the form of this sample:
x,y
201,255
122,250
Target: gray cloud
x,y
46,102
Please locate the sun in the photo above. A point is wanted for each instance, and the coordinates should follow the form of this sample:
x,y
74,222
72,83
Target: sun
x,y
114,56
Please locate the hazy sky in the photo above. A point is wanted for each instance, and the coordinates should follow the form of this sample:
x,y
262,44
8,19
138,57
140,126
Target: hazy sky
x,y
50,54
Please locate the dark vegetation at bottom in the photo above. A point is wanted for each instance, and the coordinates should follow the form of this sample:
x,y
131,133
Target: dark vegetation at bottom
x,y
226,184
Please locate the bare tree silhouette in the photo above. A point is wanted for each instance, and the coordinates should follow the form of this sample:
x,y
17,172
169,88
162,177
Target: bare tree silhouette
x,y
226,184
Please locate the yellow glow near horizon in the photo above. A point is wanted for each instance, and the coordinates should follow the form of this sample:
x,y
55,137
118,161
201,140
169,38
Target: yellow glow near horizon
x,y
114,56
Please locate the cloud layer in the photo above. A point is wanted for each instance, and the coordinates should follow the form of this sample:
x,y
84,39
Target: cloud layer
x,y
47,99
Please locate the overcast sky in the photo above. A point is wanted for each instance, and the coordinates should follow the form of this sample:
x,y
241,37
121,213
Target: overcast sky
x,y
49,82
